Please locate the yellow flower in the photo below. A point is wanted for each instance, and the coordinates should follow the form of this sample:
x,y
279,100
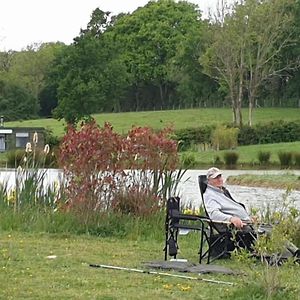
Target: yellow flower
x,y
185,288
12,196
167,286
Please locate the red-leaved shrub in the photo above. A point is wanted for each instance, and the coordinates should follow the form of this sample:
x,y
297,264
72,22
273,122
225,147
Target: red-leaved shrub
x,y
104,170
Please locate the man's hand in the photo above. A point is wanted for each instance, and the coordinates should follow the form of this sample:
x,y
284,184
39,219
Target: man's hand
x,y
237,222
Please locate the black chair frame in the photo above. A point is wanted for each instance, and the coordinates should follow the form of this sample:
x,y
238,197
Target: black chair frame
x,y
175,221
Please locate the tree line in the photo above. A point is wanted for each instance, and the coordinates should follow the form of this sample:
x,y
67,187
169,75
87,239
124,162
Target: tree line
x,y
164,55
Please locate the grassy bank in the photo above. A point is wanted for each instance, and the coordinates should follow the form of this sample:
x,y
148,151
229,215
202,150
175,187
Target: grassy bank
x,y
122,122
47,266
288,181
248,155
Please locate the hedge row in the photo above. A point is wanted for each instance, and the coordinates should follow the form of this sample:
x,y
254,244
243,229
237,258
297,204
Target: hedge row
x,y
269,133
273,132
191,136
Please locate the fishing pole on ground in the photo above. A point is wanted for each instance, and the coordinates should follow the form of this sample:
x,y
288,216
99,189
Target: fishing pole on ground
x,y
160,274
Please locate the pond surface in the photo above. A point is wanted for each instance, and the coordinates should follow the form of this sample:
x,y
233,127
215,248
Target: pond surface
x,y
251,196
190,193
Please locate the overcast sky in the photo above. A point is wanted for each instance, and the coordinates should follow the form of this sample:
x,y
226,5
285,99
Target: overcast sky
x,y
24,22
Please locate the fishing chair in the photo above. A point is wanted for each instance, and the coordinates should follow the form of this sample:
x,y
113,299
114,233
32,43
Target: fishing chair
x,y
177,222
222,237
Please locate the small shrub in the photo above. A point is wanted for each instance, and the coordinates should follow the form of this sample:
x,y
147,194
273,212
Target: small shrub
x,y
231,158
51,139
285,158
247,136
94,159
14,158
224,138
297,159
192,136
217,161
264,157
188,160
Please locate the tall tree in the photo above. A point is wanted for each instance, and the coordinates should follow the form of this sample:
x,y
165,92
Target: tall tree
x,y
150,37
29,67
247,43
89,75
15,102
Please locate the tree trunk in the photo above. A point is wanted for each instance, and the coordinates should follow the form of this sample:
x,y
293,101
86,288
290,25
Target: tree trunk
x,y
239,102
239,118
161,92
137,100
233,107
250,116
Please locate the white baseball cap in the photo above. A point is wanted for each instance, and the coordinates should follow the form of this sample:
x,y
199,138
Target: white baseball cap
x,y
213,173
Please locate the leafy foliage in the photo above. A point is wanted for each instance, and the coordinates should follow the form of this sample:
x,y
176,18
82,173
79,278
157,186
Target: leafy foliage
x,y
273,132
224,138
231,158
264,157
16,103
95,161
189,136
285,158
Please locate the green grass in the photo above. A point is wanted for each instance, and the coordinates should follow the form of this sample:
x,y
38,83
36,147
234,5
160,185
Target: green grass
x,y
26,272
122,122
248,155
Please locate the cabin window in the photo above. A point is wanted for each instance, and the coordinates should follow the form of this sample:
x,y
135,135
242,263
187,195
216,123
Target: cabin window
x,y
21,139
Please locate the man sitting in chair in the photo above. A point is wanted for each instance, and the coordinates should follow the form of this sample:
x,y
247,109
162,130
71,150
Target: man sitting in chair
x,y
220,205
222,209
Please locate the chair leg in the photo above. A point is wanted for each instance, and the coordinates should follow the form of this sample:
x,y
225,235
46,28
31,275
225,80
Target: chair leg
x,y
201,244
171,243
166,240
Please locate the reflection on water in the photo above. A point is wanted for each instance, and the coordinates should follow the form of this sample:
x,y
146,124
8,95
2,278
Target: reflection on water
x,y
189,189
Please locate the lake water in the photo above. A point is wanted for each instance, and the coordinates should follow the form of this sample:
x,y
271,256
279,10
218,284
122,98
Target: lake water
x,y
250,196
189,189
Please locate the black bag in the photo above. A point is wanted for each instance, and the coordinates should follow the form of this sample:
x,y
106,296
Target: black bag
x,y
172,247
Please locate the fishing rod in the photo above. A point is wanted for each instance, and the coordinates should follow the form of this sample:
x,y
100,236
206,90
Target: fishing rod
x,y
160,273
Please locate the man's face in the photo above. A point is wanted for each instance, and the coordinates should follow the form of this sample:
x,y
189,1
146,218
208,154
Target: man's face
x,y
216,182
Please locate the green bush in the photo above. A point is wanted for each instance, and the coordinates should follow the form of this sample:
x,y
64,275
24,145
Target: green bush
x,y
188,160
247,136
273,132
297,159
264,157
231,158
217,161
285,158
50,139
224,138
189,136
14,158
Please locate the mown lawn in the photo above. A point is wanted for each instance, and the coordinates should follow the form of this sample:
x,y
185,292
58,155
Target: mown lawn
x,y
122,122
29,271
248,155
